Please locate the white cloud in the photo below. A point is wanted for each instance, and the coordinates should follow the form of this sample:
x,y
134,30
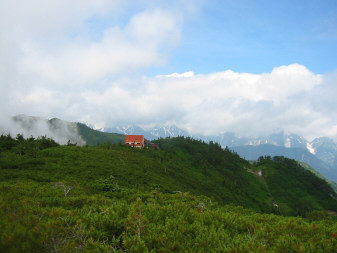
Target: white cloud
x,y
52,65
36,18
177,75
248,104
48,56
143,43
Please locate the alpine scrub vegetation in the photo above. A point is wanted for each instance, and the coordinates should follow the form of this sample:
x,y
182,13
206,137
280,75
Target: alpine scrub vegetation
x,y
188,196
296,190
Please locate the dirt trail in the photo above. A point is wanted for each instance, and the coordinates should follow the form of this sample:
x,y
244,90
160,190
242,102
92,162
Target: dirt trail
x,y
259,174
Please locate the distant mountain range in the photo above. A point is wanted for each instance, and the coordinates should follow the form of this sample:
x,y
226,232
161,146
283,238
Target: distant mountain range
x,y
152,134
323,148
230,139
321,153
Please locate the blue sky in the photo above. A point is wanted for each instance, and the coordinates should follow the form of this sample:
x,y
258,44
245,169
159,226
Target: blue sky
x,y
247,36
205,66
255,36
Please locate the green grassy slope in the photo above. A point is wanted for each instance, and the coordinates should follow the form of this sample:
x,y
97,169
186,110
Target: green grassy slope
x,y
116,198
225,180
181,165
93,137
308,167
219,173
296,190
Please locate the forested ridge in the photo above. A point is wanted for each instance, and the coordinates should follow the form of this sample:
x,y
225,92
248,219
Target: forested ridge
x,y
93,137
187,196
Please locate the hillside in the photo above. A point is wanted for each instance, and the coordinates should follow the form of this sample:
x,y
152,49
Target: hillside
x,y
60,130
295,190
181,165
308,167
212,171
320,153
94,137
251,152
117,198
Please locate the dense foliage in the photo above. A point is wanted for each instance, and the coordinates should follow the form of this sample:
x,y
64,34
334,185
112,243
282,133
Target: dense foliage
x,y
22,146
294,189
112,198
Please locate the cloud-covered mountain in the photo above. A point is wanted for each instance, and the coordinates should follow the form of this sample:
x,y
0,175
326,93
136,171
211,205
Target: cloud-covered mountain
x,y
324,147
60,130
130,129
151,134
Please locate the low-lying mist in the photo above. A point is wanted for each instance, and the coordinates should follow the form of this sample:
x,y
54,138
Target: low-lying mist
x,y
59,130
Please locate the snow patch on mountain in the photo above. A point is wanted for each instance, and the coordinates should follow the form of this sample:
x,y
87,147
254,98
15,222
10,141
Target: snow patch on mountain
x,y
310,148
287,143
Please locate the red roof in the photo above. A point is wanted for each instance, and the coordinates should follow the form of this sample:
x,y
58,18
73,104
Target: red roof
x,y
134,140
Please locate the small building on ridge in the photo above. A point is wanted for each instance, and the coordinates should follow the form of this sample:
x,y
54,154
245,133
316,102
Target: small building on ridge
x,y
135,141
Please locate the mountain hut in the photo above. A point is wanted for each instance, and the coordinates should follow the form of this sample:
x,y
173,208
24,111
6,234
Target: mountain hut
x,y
135,141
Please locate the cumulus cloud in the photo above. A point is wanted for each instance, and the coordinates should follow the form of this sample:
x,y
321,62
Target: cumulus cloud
x,y
142,43
54,65
185,74
48,54
248,104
